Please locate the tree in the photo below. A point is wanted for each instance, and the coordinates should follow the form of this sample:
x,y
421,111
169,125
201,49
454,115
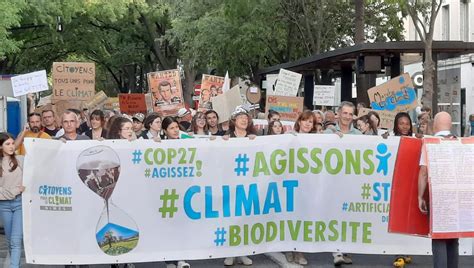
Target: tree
x,y
423,15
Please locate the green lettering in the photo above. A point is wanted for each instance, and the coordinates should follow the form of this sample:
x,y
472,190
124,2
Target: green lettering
x,y
234,235
257,239
260,165
339,161
307,230
145,156
282,162
366,232
271,231
368,160
301,154
316,160
354,226
319,232
353,162
294,230
332,228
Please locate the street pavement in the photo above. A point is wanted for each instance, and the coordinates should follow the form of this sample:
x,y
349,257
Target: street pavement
x,y
319,260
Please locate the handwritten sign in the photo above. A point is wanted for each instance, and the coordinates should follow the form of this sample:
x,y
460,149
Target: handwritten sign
x,y
288,83
397,95
132,103
29,83
386,117
324,95
288,107
73,81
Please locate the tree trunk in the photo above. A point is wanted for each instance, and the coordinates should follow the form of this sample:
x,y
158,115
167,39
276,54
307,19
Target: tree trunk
x,y
428,97
188,83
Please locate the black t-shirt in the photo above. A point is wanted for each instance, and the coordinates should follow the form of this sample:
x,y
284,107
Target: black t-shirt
x,y
51,132
219,132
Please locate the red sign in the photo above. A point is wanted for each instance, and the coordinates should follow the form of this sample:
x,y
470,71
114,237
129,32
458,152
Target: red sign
x,y
132,103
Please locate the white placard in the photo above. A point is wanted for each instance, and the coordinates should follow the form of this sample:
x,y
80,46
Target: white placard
x,y
270,84
288,83
324,95
29,83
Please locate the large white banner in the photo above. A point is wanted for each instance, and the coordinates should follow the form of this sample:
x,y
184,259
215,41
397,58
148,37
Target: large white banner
x,y
140,201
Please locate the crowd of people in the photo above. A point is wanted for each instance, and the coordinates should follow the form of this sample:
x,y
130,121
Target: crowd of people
x,y
98,125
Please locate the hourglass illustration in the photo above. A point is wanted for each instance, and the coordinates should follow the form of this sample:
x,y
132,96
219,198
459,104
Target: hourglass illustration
x,y
99,169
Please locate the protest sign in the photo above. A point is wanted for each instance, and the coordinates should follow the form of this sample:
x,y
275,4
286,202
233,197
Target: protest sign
x,y
324,95
29,83
73,81
386,117
288,107
61,106
211,86
136,202
132,103
226,103
450,170
270,83
396,95
167,92
112,103
288,83
97,102
149,102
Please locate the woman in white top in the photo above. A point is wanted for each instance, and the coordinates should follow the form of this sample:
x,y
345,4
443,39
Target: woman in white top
x,y
11,187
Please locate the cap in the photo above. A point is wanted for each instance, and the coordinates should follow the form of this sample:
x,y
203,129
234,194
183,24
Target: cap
x,y
183,112
238,111
139,116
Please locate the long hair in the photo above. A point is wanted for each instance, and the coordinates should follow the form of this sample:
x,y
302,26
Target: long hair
x,y
270,127
366,120
372,122
98,114
4,136
149,120
250,127
116,127
306,115
194,126
399,116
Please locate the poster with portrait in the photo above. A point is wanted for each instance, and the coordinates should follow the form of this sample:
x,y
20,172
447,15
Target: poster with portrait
x,y
166,91
211,86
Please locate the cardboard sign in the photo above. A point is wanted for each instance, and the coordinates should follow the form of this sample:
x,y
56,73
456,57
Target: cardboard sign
x,y
29,83
324,95
96,102
225,104
386,117
167,92
396,95
288,83
112,104
132,103
288,107
211,87
73,81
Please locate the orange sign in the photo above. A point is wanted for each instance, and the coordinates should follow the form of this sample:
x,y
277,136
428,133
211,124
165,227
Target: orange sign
x,y
132,103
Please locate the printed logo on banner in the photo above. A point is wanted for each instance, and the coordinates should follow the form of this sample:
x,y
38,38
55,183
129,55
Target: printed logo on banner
x,y
55,198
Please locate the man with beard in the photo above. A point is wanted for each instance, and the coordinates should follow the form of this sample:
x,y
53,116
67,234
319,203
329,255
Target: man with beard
x,y
32,130
212,119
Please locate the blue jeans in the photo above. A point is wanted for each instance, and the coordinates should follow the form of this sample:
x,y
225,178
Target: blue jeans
x,y
445,253
10,212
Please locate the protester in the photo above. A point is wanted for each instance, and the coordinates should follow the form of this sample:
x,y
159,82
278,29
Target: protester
x,y
424,125
319,128
32,130
49,122
97,121
330,116
121,128
318,116
152,124
365,125
469,127
344,126
240,126
184,118
11,187
170,128
272,116
275,128
212,119
199,124
305,123
111,120
445,251
375,121
402,125
70,123
137,121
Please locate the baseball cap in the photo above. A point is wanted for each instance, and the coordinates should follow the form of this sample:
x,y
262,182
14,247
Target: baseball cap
x,y
183,112
139,116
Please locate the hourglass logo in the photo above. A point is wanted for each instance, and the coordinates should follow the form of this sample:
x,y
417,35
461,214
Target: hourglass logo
x,y
99,169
